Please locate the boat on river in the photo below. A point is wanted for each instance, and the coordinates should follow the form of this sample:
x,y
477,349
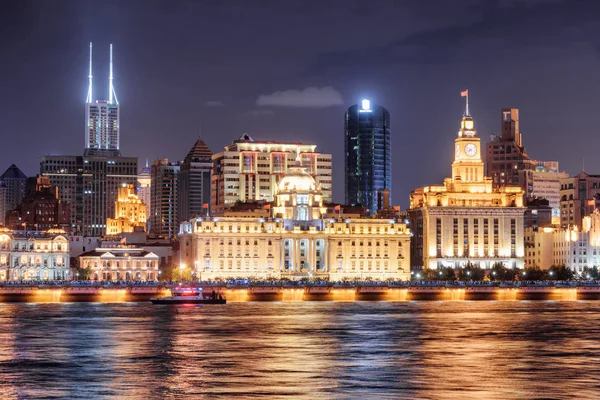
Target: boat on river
x,y
189,296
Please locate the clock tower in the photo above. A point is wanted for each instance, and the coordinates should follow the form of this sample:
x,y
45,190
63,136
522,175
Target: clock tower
x,y
467,165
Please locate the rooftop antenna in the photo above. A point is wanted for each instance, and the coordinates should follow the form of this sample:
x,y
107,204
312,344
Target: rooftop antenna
x,y
146,162
89,95
111,89
583,164
199,130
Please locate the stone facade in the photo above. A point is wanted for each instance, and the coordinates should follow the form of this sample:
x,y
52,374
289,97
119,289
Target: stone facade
x,y
34,255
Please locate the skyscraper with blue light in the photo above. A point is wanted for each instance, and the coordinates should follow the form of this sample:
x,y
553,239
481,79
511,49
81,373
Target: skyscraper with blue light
x,y
368,158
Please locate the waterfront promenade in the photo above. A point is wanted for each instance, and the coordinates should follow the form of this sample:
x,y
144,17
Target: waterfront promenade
x,y
243,290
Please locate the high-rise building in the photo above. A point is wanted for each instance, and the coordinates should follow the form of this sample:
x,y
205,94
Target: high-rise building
x,y
144,182
194,182
250,170
465,220
12,190
163,221
102,119
295,239
579,197
90,184
508,163
368,158
130,212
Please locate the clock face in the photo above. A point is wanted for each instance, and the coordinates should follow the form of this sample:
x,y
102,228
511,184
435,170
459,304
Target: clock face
x,y
457,151
470,150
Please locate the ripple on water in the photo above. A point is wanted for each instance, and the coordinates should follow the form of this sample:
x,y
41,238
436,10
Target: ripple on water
x,y
478,350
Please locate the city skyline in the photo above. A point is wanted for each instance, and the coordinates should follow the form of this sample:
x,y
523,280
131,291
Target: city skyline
x,y
215,92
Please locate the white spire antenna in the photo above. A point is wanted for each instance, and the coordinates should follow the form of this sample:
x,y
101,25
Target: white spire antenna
x,y
89,95
111,88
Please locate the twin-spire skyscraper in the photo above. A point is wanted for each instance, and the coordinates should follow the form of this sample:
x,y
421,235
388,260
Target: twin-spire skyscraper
x,y
102,119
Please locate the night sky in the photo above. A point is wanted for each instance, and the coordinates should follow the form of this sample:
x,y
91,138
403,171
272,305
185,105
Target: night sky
x,y
287,70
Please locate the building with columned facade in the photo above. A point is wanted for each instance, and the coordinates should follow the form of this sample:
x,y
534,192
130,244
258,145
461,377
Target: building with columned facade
x,y
296,239
120,264
465,219
34,255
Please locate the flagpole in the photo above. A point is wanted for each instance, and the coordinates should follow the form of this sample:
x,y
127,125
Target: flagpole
x,y
467,109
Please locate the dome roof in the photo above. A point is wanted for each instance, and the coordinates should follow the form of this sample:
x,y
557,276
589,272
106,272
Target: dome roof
x,y
297,180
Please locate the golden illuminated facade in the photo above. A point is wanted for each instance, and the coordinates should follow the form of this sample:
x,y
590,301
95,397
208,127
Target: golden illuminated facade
x,y
34,255
296,240
130,212
466,219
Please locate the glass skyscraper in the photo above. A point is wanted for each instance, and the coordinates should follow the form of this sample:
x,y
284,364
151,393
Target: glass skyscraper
x,y
368,158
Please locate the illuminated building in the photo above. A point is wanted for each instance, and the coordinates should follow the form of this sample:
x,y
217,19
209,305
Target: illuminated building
x,y
12,190
572,247
546,184
194,182
295,239
250,170
40,209
102,119
33,255
144,183
579,197
120,264
89,184
164,190
130,212
368,158
465,219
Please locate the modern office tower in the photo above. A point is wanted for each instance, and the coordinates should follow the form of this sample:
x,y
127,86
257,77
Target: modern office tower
x,y
294,239
194,182
579,197
89,185
368,158
465,220
144,182
163,221
130,213
40,209
102,119
12,190
249,170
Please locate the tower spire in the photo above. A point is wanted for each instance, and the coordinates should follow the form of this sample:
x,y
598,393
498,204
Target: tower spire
x,y
89,95
112,95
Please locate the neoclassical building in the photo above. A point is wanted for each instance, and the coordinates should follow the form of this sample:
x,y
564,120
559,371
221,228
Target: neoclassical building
x,y
296,240
34,255
465,219
120,264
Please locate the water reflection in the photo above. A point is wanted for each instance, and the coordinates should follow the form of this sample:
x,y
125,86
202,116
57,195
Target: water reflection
x,y
450,350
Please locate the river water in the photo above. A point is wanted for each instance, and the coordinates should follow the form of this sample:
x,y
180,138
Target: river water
x,y
425,350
